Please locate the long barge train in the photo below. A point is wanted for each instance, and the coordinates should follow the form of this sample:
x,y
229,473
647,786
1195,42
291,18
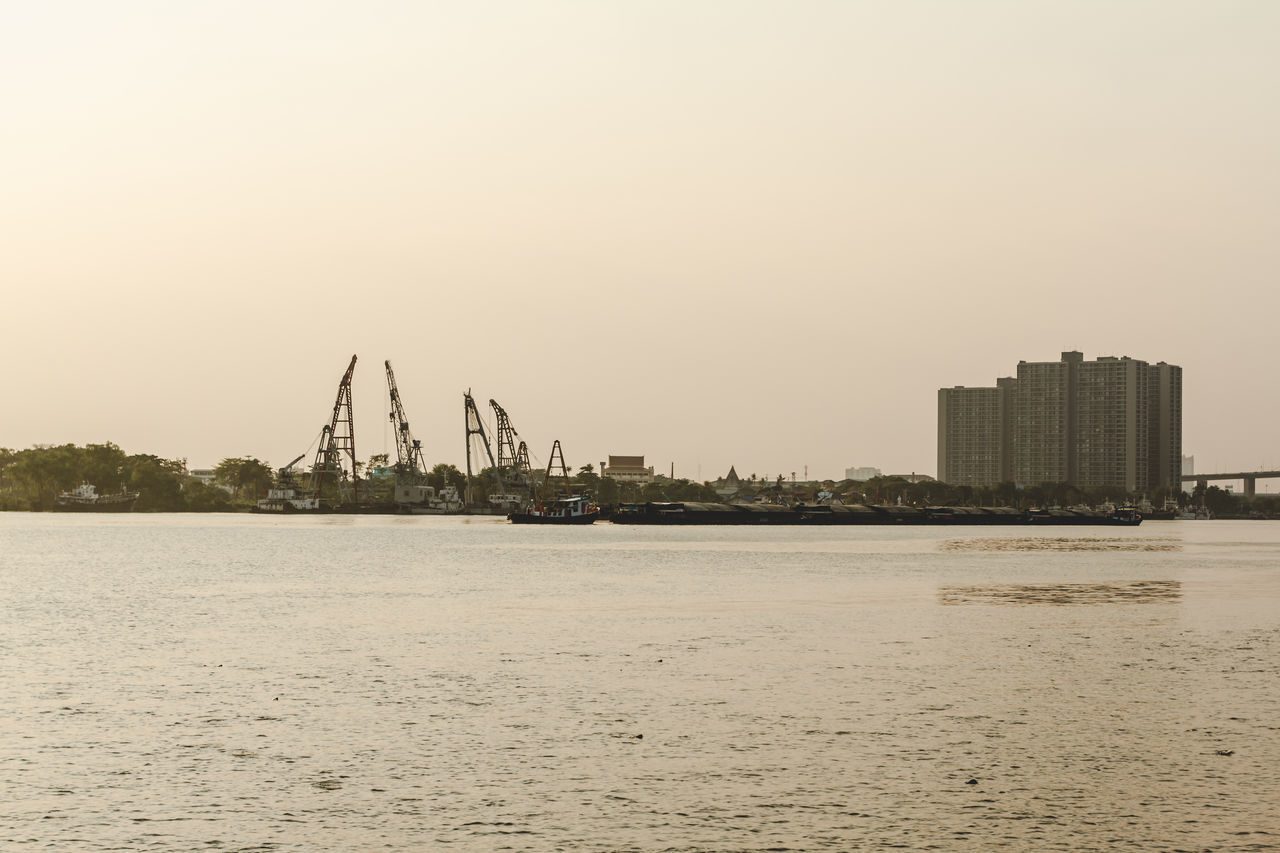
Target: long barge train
x,y
822,514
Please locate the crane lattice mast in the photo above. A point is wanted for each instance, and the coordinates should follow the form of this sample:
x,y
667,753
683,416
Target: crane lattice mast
x,y
557,453
337,437
513,458
408,449
506,436
475,427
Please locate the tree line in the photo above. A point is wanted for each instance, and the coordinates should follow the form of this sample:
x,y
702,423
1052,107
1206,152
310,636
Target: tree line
x,y
31,480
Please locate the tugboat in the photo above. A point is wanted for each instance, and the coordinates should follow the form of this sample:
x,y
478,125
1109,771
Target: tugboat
x,y
286,496
85,498
572,509
576,509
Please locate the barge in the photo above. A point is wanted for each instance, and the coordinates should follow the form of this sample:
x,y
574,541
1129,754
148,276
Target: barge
x,y
690,512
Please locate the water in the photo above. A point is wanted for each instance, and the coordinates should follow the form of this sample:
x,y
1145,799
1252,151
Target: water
x,y
338,683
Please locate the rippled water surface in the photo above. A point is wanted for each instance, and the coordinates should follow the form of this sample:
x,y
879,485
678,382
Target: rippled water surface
x,y
337,683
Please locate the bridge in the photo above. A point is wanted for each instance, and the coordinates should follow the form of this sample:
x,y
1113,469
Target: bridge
x,y
1250,478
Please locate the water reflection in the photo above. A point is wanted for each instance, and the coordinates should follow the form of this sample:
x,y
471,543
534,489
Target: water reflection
x,y
1132,592
1062,543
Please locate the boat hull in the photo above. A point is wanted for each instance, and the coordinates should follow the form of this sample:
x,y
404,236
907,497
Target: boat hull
x,y
529,518
100,506
710,513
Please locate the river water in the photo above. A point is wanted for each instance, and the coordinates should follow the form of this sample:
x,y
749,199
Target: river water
x,y
365,683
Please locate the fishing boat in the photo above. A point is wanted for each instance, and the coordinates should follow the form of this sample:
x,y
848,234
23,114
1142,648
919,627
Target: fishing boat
x,y
575,509
85,498
571,509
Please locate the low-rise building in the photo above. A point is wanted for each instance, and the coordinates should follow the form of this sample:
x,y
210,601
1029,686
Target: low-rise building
x,y
627,469
209,477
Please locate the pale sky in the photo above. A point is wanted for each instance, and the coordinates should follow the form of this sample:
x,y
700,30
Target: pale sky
x,y
713,233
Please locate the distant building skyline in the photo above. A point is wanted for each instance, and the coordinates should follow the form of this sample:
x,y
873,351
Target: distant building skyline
x,y
1112,422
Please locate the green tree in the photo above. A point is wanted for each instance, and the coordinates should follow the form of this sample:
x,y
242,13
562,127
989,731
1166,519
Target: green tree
x,y
249,477
653,492
588,480
1220,502
444,474
687,490
204,498
41,472
158,483
608,493
1006,494
103,465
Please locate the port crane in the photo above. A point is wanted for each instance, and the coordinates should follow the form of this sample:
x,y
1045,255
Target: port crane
x,y
284,475
337,438
408,449
512,458
557,453
475,429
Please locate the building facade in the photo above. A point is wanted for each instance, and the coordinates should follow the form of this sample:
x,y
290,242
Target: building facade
x,y
1112,422
974,434
627,469
1043,420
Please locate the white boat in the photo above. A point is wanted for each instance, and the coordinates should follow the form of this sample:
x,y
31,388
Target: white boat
x,y
421,499
287,499
85,498
506,503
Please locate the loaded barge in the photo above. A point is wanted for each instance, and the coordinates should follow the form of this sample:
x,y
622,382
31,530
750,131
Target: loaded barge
x,y
823,514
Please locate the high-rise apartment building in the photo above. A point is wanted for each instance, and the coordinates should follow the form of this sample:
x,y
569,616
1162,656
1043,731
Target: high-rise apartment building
x,y
974,434
1165,385
1043,420
1112,422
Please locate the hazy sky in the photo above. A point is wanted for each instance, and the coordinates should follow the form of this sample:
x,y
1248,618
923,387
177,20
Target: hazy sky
x,y
713,233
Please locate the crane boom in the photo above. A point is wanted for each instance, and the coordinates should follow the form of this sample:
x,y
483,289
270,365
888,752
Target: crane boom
x,y
475,427
408,449
506,436
334,441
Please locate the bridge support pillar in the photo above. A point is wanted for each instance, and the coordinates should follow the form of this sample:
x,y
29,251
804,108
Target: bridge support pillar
x,y
1250,486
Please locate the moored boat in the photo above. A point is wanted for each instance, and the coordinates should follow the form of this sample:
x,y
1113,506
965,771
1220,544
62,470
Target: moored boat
x,y
286,498
85,498
689,512
572,509
576,509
